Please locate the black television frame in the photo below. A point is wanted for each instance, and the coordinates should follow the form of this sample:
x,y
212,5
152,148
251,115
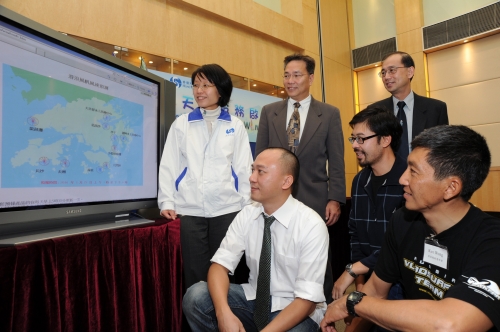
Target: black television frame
x,y
33,223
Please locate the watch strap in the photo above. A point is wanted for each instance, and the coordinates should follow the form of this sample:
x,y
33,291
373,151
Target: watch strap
x,y
349,270
353,299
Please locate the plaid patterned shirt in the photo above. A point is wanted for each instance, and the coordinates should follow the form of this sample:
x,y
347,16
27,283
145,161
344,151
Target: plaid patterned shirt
x,y
368,220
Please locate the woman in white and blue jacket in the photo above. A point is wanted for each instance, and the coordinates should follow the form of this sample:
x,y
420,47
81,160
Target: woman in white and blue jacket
x,y
204,171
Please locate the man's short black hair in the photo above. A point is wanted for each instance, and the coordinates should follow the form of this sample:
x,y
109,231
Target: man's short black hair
x,y
382,122
216,75
456,151
290,164
406,59
310,63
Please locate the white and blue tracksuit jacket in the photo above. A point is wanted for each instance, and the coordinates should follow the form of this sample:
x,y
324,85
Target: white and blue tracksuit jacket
x,y
205,176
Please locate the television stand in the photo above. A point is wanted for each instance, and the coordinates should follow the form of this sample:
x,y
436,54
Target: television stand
x,y
23,238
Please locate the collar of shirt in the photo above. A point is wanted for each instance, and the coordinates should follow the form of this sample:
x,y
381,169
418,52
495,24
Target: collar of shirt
x,y
303,109
409,101
284,214
303,103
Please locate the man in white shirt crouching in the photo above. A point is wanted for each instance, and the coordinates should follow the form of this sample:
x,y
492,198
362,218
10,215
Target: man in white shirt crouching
x,y
287,260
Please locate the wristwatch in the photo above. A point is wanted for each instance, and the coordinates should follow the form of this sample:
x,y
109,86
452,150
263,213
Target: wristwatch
x,y
349,270
353,299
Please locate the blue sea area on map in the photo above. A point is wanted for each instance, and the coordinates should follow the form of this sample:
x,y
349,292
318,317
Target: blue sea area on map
x,y
69,165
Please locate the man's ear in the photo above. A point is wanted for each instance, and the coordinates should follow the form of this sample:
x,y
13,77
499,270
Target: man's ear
x,y
311,79
386,141
287,183
411,71
454,187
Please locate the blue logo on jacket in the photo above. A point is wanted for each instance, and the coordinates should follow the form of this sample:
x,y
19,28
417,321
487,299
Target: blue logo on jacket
x,y
230,131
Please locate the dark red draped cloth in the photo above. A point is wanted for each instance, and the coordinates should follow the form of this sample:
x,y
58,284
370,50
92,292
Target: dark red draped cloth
x,y
116,280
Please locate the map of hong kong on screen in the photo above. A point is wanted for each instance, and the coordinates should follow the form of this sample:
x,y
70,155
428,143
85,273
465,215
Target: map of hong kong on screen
x,y
57,134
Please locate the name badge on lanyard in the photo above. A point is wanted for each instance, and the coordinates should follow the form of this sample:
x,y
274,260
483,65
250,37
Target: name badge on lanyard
x,y
435,253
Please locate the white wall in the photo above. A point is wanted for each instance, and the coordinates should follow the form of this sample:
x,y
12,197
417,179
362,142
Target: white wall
x,y
370,87
374,20
271,4
467,78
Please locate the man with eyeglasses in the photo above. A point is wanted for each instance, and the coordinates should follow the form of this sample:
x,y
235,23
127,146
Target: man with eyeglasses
x,y
376,194
417,112
313,131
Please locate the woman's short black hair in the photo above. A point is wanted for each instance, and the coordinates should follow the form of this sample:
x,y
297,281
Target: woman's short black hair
x,y
216,75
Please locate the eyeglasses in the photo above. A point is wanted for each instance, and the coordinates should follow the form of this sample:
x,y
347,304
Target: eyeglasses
x,y
203,87
296,76
359,139
390,71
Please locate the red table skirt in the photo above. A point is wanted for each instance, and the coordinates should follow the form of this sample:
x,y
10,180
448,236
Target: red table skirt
x,y
116,280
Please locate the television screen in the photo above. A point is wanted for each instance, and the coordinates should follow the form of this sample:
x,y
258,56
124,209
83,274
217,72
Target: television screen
x,y
80,131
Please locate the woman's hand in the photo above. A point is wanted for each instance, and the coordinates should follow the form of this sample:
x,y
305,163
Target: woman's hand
x,y
169,214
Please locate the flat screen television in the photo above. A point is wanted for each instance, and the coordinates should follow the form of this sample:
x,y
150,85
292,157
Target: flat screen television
x,y
81,133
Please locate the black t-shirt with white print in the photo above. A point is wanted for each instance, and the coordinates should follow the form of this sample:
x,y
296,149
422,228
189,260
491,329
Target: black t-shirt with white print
x,y
473,270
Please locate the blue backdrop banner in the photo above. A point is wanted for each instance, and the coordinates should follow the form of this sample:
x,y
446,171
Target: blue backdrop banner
x,y
244,104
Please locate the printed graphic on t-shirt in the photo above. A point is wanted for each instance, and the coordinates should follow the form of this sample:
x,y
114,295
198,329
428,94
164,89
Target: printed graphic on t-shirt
x,y
430,282
486,287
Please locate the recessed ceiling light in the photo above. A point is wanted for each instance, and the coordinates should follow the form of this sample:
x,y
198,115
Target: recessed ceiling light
x,y
465,41
140,58
185,68
282,92
255,85
115,52
150,61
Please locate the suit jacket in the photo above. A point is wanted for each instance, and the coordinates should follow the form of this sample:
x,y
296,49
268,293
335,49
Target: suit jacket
x,y
322,140
427,112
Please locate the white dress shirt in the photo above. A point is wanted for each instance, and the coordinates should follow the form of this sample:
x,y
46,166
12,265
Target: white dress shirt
x,y
303,109
298,256
409,101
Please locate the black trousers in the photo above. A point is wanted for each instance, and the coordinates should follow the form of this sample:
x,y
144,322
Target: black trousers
x,y
328,284
200,239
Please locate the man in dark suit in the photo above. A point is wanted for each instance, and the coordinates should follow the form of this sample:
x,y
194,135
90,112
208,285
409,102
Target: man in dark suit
x,y
313,131
419,112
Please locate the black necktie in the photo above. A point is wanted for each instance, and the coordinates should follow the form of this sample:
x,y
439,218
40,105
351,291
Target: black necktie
x,y
261,313
403,150
293,130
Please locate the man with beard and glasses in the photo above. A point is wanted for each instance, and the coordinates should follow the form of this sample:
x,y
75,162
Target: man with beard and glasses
x,y
376,194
